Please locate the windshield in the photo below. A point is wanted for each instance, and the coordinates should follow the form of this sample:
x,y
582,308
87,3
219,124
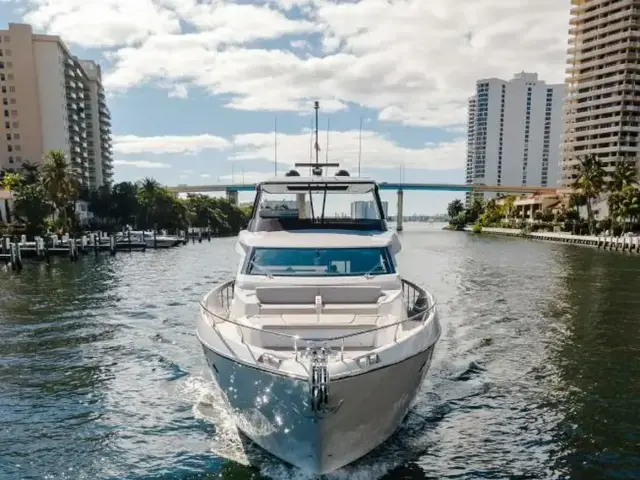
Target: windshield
x,y
305,262
323,207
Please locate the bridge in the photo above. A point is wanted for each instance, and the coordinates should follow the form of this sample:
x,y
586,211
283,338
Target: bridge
x,y
398,186
232,190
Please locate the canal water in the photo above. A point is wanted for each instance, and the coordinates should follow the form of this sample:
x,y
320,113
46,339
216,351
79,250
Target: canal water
x,y
536,375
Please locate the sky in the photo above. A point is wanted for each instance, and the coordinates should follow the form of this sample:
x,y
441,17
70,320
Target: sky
x,y
196,87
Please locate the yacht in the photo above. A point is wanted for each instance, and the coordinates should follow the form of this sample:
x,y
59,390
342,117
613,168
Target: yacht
x,y
318,344
157,240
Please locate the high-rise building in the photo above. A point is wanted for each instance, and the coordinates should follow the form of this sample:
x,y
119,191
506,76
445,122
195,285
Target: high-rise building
x,y
47,104
98,126
514,132
367,209
602,107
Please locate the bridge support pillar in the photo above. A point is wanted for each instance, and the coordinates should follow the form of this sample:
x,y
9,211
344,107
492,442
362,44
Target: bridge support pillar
x,y
301,204
400,212
232,196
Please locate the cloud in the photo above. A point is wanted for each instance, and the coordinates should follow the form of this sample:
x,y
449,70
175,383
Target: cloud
x,y
414,61
133,144
377,151
102,23
141,164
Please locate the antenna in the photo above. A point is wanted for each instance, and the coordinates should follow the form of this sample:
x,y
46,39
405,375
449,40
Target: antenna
x,y
360,147
326,159
316,106
310,144
275,142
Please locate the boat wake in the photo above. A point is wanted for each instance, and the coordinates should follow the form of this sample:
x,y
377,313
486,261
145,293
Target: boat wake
x,y
209,405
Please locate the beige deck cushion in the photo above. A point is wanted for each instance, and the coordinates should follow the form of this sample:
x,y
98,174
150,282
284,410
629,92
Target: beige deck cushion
x,y
307,294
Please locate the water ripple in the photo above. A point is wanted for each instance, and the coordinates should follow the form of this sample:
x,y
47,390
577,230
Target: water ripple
x,y
101,376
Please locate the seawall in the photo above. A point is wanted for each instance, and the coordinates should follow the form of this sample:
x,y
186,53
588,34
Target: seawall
x,y
631,244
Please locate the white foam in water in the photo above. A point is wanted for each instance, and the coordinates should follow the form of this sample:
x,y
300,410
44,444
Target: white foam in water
x,y
209,405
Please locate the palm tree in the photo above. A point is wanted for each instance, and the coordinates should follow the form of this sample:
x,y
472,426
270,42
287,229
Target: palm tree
x,y
624,204
622,178
590,182
30,173
148,192
625,174
509,205
60,182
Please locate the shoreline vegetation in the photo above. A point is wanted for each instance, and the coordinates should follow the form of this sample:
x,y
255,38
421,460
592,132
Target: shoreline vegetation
x,y
46,197
592,184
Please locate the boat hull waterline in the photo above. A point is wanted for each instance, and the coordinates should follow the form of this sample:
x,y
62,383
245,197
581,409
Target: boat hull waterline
x,y
273,411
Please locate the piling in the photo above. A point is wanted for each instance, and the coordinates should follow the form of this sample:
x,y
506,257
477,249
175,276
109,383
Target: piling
x,y
15,256
112,244
129,238
73,250
155,239
19,256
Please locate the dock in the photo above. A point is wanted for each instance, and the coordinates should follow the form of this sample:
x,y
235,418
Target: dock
x,y
14,250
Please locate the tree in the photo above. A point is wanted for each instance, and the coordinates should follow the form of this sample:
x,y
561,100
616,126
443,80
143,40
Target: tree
x,y
125,207
509,204
30,173
11,181
620,187
454,208
493,213
624,205
60,182
590,183
475,210
625,174
32,206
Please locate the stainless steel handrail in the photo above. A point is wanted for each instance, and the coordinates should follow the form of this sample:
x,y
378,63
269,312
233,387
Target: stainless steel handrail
x,y
296,338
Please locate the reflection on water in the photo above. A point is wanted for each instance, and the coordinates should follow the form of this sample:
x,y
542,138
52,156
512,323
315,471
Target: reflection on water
x,y
101,376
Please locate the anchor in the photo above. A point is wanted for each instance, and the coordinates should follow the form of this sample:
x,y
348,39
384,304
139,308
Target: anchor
x,y
319,401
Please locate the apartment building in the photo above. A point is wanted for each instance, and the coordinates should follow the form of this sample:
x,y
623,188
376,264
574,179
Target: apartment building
x,y
367,209
98,126
47,104
602,105
514,132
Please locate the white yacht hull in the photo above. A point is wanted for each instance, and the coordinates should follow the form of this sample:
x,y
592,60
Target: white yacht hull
x,y
161,242
272,409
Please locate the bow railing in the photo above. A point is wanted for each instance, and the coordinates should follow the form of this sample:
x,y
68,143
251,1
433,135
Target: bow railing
x,y
420,308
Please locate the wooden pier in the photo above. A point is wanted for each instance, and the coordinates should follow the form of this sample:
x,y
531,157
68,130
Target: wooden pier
x,y
14,250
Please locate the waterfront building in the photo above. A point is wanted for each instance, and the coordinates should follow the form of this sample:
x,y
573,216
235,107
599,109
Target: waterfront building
x,y
51,100
362,209
514,132
602,106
